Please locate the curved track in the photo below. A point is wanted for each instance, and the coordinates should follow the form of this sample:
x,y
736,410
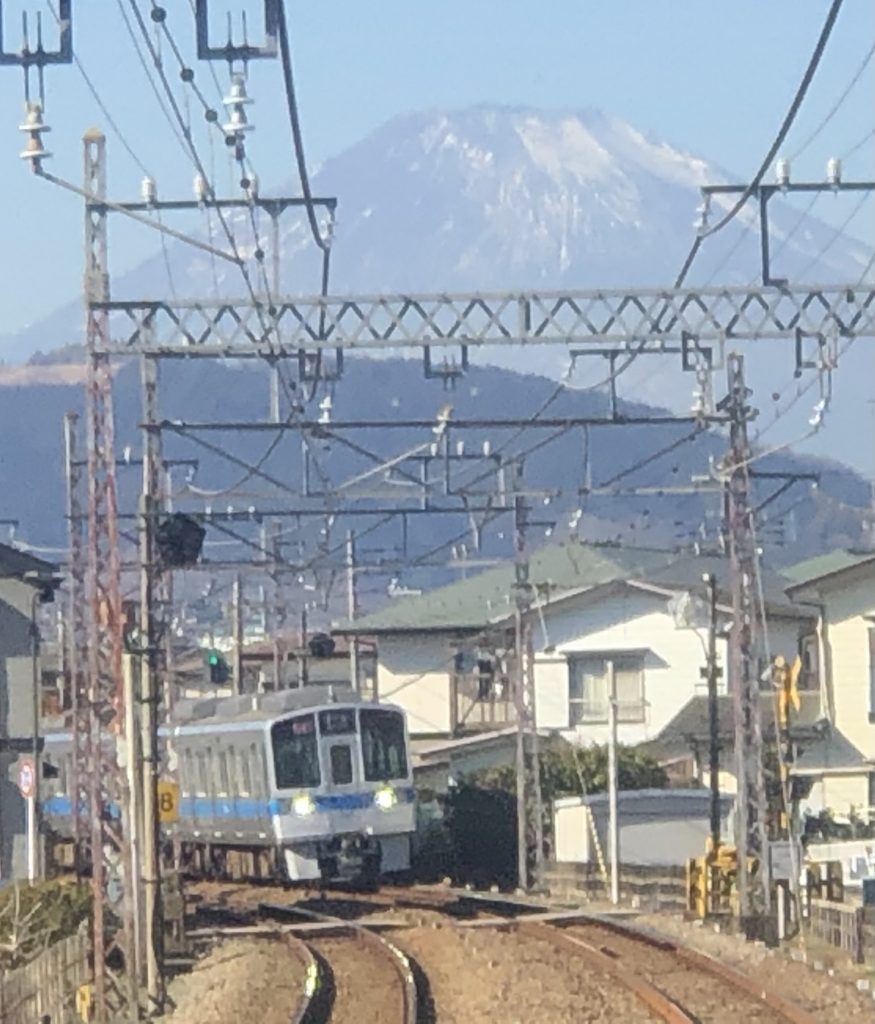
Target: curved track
x,y
364,978
675,984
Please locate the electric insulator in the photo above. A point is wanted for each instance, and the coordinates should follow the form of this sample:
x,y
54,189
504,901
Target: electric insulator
x,y
201,188
782,173
149,191
834,171
460,448
487,448
252,187
236,101
33,126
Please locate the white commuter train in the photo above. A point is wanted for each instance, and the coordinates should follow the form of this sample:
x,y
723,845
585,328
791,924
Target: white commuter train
x,y
300,785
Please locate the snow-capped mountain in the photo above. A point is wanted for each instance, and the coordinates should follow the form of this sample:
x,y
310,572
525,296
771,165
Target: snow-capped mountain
x,y
499,198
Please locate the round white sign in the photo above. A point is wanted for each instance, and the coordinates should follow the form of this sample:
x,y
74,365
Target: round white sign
x,y
26,779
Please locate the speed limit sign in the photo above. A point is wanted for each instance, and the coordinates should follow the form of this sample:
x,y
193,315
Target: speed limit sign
x,y
26,778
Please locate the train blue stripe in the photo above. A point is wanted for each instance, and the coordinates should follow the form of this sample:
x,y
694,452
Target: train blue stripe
x,y
244,807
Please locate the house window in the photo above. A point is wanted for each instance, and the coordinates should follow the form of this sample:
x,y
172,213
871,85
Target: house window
x,y
589,688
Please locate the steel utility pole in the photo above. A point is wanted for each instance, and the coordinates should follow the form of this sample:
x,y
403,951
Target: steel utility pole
x,y
111,879
77,640
751,838
530,845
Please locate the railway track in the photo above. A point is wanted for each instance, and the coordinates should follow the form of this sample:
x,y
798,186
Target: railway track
x,y
362,977
671,982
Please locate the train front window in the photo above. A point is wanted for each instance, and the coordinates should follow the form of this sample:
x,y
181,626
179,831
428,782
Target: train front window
x,y
295,752
383,749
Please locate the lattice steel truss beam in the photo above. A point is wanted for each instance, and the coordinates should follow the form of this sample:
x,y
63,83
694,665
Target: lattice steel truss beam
x,y
647,318
744,684
112,876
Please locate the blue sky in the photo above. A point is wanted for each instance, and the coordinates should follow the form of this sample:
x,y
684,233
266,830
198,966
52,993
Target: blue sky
x,y
711,77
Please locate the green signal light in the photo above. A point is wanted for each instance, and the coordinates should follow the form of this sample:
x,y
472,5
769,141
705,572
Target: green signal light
x,y
214,658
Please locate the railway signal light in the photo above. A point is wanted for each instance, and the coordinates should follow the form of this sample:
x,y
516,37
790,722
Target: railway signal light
x,y
219,671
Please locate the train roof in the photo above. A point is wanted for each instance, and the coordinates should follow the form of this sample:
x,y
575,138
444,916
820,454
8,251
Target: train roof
x,y
261,707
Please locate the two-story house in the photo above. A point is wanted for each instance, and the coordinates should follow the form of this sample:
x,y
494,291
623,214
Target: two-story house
x,y
25,582
839,588
447,656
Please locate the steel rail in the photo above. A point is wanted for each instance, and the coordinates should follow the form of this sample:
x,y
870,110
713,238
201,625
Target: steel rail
x,y
708,965
400,963
311,981
651,996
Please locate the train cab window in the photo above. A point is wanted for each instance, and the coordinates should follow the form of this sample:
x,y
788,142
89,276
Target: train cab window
x,y
295,752
383,748
341,764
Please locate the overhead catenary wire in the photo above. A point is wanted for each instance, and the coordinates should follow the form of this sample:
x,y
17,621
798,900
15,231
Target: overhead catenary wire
x,y
777,142
834,109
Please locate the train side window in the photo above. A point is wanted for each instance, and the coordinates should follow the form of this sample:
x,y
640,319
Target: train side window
x,y
201,773
186,773
244,773
222,759
233,774
256,767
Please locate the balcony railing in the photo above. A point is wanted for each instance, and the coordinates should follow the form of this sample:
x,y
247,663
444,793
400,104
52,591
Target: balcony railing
x,y
595,712
481,703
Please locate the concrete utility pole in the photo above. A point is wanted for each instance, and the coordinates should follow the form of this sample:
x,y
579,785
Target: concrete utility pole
x,y
150,686
237,633
751,836
352,610
713,673
613,785
530,842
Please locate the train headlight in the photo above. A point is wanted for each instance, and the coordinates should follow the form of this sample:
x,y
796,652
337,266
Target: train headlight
x,y
303,805
385,798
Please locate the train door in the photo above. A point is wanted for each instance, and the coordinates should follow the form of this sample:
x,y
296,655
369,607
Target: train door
x,y
338,748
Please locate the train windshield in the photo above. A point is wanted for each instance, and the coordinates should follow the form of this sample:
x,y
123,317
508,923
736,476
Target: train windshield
x,y
295,752
383,749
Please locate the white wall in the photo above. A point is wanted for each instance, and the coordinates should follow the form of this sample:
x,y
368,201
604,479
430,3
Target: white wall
x,y
847,644
414,673
628,621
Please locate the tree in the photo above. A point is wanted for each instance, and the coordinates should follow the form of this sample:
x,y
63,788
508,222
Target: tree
x,y
569,770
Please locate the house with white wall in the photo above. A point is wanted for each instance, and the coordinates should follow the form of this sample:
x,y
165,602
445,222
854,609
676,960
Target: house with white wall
x,y
839,588
447,656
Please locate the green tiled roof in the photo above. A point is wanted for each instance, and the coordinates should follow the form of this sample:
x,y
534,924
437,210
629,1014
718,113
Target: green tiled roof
x,y
555,570
488,597
813,569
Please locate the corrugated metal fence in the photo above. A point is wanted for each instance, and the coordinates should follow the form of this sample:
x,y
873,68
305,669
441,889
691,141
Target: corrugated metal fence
x,y
46,987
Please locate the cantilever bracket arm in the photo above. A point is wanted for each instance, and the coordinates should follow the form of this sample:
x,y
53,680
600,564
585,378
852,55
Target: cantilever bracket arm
x,y
232,51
